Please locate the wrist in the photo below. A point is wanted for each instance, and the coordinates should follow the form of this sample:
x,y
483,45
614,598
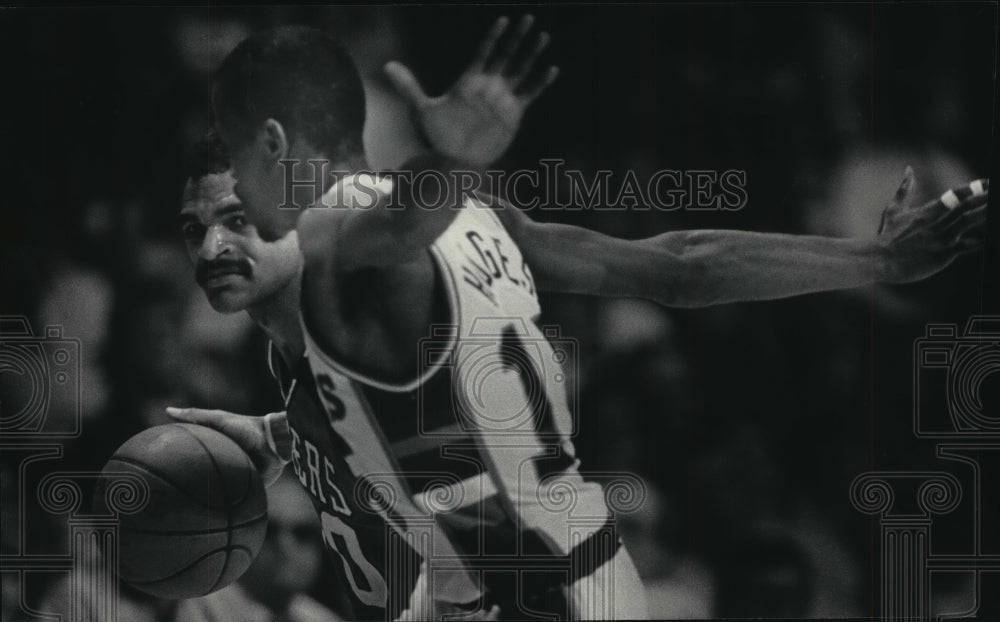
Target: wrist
x,y
883,263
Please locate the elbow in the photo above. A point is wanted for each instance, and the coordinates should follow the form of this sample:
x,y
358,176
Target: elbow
x,y
694,282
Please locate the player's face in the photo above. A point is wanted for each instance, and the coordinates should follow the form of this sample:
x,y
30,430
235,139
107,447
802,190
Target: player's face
x,y
236,268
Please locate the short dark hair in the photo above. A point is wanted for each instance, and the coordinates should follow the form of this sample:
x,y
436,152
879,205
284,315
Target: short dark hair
x,y
208,156
301,77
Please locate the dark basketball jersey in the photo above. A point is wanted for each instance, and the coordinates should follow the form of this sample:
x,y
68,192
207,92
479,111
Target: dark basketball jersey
x,y
358,535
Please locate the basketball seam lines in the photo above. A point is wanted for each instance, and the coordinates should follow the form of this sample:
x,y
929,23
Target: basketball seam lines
x,y
225,488
193,532
159,475
229,512
226,550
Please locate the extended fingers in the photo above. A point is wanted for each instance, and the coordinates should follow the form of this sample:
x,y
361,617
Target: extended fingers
x,y
500,63
970,221
515,61
970,245
956,197
210,418
490,42
188,415
537,85
962,208
528,62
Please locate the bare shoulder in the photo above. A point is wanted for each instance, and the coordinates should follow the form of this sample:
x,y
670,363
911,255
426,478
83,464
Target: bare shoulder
x,y
320,295
318,230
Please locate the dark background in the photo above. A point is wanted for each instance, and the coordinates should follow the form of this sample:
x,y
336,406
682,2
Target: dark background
x,y
747,422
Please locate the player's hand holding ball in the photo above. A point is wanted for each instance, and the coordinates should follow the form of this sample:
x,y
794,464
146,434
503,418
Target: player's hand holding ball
x,y
250,433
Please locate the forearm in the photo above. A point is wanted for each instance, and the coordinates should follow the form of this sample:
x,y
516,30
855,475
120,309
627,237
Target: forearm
x,y
700,268
730,266
388,222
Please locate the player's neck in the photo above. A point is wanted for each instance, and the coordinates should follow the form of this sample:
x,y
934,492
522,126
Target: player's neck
x,y
343,168
319,166
278,317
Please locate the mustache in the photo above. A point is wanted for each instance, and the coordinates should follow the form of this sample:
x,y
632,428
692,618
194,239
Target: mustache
x,y
207,269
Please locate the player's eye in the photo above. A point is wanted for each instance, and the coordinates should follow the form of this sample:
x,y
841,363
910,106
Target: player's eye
x,y
193,232
238,221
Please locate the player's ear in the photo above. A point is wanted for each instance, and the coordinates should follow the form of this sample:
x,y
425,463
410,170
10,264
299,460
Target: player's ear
x,y
275,140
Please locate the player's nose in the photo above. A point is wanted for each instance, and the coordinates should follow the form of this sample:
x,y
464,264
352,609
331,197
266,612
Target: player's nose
x,y
214,243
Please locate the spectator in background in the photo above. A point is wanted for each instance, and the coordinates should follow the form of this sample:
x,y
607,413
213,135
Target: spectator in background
x,y
638,408
131,605
79,299
220,352
679,583
764,577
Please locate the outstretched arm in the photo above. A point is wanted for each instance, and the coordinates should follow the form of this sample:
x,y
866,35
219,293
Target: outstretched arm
x,y
701,268
473,123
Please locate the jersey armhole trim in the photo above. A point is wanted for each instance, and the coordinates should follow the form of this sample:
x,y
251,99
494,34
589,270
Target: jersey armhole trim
x,y
448,278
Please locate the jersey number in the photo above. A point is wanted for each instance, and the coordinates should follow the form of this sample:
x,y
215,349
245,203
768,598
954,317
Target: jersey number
x,y
365,580
514,355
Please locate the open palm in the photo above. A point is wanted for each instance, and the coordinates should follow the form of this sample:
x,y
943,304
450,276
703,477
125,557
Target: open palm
x,y
476,120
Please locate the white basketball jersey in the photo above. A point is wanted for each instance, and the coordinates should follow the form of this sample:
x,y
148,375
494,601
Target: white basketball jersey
x,y
470,464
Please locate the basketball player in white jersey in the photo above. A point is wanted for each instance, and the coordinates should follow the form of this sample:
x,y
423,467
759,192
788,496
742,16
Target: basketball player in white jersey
x,y
379,401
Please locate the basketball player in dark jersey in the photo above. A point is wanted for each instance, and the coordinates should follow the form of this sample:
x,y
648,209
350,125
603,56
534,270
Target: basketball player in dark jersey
x,y
239,270
350,297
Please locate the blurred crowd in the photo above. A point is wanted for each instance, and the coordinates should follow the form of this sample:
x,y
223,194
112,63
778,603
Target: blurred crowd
x,y
747,422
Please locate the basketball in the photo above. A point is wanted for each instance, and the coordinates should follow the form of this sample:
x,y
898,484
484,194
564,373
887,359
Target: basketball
x,y
206,515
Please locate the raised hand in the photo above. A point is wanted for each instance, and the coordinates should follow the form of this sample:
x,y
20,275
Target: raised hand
x,y
918,241
476,120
